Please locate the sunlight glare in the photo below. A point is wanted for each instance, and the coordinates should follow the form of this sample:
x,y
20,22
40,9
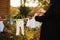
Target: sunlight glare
x,y
15,3
31,3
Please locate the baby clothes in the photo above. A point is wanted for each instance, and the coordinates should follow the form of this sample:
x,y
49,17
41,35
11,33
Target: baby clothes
x,y
19,23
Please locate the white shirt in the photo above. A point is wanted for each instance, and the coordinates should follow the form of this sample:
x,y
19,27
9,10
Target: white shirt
x,y
20,22
32,23
1,26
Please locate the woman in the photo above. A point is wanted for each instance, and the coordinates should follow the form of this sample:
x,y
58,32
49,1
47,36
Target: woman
x,y
49,19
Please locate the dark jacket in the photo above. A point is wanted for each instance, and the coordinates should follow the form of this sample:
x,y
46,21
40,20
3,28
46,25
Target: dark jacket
x,y
50,22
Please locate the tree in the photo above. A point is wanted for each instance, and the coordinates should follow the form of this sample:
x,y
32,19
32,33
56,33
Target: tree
x,y
24,11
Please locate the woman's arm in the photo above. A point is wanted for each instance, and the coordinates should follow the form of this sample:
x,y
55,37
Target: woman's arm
x,y
43,17
39,18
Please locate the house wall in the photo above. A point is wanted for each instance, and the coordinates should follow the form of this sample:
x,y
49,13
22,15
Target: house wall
x,y
4,7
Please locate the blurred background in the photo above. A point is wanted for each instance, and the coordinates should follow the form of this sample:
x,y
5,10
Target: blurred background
x,y
22,8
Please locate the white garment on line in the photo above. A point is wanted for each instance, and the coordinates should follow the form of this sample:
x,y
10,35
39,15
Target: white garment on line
x,y
32,23
19,23
1,26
